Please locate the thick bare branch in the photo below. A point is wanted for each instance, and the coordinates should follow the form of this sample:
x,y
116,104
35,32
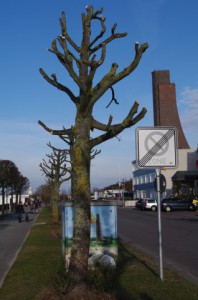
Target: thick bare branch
x,y
63,43
108,40
67,139
56,132
94,153
44,169
111,78
114,130
63,23
56,152
98,12
92,63
113,98
138,54
65,151
95,64
103,30
58,85
110,121
113,29
65,62
65,33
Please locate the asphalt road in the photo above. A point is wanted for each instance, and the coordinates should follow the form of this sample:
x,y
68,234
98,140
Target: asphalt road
x,y
12,237
179,237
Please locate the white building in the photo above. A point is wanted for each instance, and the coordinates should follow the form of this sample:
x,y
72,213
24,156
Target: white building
x,y
9,198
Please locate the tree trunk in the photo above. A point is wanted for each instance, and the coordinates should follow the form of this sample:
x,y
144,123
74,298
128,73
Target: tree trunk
x,y
3,201
55,202
17,198
81,198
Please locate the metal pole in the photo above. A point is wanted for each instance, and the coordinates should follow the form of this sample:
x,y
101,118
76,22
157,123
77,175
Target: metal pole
x,y
123,189
159,223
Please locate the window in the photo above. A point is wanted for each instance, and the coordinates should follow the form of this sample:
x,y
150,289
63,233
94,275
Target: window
x,y
142,179
146,178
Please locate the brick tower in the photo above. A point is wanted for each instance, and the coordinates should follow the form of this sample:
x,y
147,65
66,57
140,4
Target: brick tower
x,y
165,105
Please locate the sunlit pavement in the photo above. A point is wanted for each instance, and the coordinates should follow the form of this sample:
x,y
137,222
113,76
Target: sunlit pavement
x,y
12,236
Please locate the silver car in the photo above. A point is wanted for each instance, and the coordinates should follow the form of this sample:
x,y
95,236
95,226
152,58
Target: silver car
x,y
150,204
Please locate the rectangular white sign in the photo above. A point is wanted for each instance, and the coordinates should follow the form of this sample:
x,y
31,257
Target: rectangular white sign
x,y
156,147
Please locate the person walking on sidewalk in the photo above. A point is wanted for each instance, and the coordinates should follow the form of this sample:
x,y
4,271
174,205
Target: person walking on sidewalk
x,y
36,205
26,211
19,211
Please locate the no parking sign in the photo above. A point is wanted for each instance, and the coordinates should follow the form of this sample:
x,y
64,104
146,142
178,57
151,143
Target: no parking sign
x,y
156,147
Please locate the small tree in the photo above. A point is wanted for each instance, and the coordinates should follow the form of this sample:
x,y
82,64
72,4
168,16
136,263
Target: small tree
x,y
55,170
43,191
20,184
7,170
81,64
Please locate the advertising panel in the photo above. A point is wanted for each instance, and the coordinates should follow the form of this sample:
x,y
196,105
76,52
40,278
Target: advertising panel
x,y
103,249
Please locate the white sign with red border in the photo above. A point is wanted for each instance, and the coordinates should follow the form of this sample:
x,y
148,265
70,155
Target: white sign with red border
x,y
156,147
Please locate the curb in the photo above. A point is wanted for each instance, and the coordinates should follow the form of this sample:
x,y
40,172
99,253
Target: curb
x,y
17,252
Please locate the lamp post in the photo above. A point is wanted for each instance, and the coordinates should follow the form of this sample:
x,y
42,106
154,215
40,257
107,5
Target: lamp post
x,y
30,193
123,189
119,184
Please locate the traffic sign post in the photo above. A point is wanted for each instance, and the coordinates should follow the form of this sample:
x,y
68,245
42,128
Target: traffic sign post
x,y
158,173
156,147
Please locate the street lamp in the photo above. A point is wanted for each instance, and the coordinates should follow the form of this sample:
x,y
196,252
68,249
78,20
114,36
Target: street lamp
x,y
123,189
119,184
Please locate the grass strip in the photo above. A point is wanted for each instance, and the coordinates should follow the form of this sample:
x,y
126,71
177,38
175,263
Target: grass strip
x,y
139,278
37,264
39,267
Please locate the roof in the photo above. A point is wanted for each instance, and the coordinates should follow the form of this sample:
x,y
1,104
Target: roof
x,y
185,175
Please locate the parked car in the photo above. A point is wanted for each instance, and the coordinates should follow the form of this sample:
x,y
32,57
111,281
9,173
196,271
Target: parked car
x,y
138,203
168,204
150,204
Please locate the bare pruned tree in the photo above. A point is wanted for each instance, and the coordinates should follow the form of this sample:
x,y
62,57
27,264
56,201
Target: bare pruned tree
x,y
81,64
55,171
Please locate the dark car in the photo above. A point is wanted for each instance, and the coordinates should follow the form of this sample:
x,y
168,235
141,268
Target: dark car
x,y
168,204
138,203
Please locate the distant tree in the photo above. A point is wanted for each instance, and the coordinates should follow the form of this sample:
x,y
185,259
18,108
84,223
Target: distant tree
x,y
128,185
94,189
7,169
63,195
55,171
80,61
19,185
43,191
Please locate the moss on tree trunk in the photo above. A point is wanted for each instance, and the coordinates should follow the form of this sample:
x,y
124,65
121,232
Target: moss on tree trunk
x,y
81,197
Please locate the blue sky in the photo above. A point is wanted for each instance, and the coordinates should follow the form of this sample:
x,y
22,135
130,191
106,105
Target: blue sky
x,y
27,29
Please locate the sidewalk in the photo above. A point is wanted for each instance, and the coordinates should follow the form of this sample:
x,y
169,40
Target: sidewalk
x,y
12,236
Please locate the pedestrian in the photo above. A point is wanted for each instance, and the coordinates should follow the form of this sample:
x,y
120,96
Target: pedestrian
x,y
31,206
36,205
26,210
19,211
